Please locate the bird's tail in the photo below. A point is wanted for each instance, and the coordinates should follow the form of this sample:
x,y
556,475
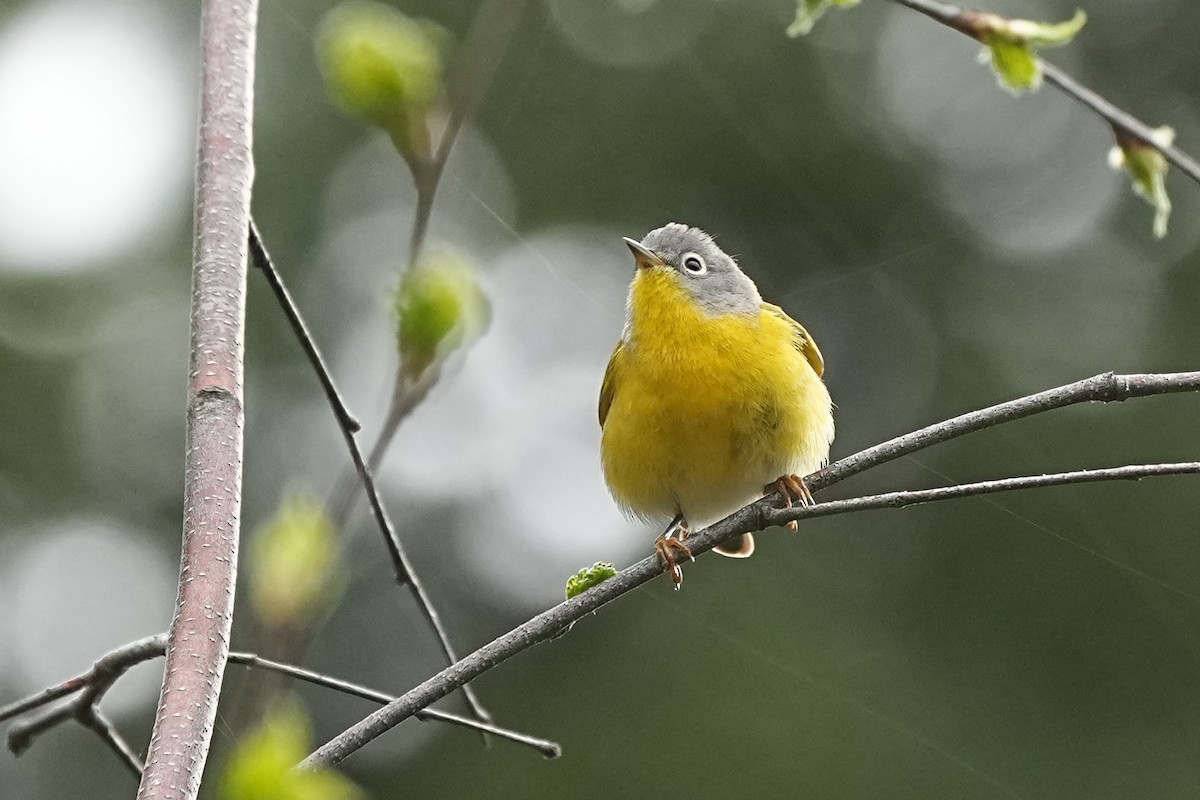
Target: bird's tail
x,y
737,547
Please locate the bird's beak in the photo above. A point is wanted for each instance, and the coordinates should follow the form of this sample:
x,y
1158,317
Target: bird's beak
x,y
644,256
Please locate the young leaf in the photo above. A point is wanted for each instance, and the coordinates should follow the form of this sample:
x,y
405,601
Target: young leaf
x,y
293,563
440,308
588,577
385,67
809,11
1011,45
1147,168
262,767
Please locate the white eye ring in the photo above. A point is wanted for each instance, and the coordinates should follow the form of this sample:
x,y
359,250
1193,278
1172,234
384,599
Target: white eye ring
x,y
694,263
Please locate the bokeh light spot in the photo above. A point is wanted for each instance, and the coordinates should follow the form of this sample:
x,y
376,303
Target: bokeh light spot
x,y
95,118
79,590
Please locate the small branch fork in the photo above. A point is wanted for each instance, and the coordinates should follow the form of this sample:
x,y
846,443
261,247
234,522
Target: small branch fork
x,y
768,511
1125,126
90,687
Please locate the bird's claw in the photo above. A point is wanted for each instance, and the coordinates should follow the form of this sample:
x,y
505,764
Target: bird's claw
x,y
793,490
666,547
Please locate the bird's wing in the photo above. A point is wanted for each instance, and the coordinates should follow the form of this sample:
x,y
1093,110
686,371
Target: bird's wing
x,y
612,374
803,341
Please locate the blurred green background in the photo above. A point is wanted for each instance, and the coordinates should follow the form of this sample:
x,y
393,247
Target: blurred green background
x,y
948,245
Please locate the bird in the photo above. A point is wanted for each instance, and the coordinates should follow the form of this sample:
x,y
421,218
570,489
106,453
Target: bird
x,y
712,397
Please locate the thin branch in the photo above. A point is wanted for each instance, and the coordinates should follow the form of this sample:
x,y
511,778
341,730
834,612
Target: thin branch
x,y
261,259
1121,121
347,424
546,747
401,564
765,512
21,735
199,636
1133,472
92,685
483,50
1104,388
91,718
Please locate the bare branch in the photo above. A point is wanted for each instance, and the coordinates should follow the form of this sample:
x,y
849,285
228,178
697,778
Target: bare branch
x,y
401,564
1121,121
90,717
199,637
765,512
544,746
347,424
21,735
1134,472
482,50
1105,388
92,685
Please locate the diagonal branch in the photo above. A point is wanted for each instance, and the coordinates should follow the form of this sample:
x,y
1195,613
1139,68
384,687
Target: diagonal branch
x,y
1105,388
1121,121
402,566
765,512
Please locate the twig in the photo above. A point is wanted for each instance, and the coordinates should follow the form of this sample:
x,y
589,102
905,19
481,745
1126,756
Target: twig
x,y
401,565
1121,121
484,46
92,719
21,736
347,424
546,747
1133,472
1104,388
199,637
92,685
262,260
765,512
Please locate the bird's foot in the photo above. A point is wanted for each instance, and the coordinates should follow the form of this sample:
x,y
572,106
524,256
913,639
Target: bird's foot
x,y
668,545
793,490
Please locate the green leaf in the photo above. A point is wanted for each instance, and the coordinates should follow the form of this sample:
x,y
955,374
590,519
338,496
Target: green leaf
x,y
1011,45
385,67
440,308
261,766
586,578
809,11
1147,168
293,563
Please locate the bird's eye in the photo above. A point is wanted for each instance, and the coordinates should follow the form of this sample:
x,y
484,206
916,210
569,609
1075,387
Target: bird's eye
x,y
694,264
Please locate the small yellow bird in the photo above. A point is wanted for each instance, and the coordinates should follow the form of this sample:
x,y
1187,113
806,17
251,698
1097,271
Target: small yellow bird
x,y
712,397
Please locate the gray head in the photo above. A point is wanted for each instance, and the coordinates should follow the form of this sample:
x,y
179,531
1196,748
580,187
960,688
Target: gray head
x,y
711,277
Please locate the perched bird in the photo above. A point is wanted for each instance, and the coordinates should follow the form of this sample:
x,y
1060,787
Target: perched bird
x,y
712,397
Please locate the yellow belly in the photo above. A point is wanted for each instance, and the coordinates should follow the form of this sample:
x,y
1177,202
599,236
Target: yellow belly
x,y
707,411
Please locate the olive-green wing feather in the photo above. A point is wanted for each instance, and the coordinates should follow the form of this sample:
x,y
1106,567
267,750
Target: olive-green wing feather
x,y
612,375
804,342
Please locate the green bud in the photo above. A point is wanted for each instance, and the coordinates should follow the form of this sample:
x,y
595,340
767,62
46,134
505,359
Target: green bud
x,y
586,578
1147,168
293,563
1011,45
385,67
440,308
262,765
809,11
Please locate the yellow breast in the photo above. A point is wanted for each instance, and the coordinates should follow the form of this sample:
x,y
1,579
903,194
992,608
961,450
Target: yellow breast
x,y
703,410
